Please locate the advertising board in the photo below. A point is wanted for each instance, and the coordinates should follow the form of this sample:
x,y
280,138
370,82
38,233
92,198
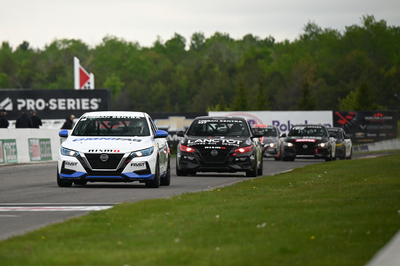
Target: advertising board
x,y
282,119
367,126
54,104
8,151
39,149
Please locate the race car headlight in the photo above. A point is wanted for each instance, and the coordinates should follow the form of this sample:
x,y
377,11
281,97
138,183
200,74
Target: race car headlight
x,y
68,152
288,144
323,145
141,153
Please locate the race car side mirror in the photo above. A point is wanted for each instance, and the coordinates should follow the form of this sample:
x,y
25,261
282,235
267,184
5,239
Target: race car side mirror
x,y
161,134
283,135
180,134
346,137
63,133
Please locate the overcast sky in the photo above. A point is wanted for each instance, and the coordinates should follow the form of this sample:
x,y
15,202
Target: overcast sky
x,y
39,22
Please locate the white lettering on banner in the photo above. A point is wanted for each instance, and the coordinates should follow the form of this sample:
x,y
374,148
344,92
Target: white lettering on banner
x,y
59,104
40,104
85,104
30,104
21,104
53,104
71,104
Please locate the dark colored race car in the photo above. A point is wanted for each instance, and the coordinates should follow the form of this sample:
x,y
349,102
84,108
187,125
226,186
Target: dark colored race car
x,y
308,141
344,145
219,144
271,141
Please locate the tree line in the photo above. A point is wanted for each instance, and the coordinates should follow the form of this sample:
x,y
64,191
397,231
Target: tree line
x,y
322,69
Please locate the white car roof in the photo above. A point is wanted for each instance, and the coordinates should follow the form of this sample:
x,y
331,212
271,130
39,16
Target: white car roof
x,y
114,113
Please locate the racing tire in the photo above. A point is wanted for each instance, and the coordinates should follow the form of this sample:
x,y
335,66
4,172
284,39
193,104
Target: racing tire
x,y
261,169
351,154
329,158
155,183
253,171
344,155
62,183
180,172
278,158
166,180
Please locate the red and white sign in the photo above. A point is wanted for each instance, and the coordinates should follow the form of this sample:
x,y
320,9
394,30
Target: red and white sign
x,y
82,79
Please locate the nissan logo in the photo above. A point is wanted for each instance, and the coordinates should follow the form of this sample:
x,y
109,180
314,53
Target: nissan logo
x,y
305,146
214,153
104,157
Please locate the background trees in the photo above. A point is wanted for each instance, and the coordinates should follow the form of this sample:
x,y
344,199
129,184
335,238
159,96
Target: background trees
x,y
323,69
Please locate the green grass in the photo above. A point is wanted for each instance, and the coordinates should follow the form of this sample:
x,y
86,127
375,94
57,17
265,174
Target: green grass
x,y
336,213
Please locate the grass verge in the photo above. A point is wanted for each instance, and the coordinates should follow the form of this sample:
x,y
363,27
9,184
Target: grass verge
x,y
336,213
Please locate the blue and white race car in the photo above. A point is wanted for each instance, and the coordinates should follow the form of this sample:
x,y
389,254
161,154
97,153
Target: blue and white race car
x,y
114,146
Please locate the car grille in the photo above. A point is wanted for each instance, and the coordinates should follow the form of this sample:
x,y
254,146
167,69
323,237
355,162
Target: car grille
x,y
305,151
112,162
219,158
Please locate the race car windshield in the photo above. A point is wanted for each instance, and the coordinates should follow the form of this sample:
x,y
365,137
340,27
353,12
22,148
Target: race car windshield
x,y
98,126
336,134
234,128
268,132
307,132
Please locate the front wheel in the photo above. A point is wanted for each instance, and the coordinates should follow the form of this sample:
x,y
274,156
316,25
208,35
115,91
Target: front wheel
x,y
330,157
253,171
166,180
261,169
351,154
180,172
155,183
63,183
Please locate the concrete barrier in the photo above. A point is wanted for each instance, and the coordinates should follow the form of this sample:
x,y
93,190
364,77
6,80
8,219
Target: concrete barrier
x,y
28,145
391,144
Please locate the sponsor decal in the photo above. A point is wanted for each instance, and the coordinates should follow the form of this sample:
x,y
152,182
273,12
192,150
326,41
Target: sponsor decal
x,y
371,135
226,142
360,135
214,147
73,164
306,140
138,166
119,139
102,150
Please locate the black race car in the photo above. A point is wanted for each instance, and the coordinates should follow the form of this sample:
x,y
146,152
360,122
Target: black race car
x,y
219,144
308,141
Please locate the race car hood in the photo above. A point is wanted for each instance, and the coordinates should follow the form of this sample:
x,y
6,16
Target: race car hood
x,y
227,141
267,140
105,144
306,139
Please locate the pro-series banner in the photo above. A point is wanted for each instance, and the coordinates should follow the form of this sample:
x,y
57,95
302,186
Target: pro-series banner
x,y
54,104
367,126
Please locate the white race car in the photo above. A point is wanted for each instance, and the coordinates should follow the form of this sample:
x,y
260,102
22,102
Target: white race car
x,y
113,146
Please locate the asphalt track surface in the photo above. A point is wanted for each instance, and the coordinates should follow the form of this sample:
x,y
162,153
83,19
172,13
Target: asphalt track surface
x,y
30,197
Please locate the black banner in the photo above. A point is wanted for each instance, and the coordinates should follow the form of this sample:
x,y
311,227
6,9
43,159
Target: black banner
x,y
54,104
367,126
